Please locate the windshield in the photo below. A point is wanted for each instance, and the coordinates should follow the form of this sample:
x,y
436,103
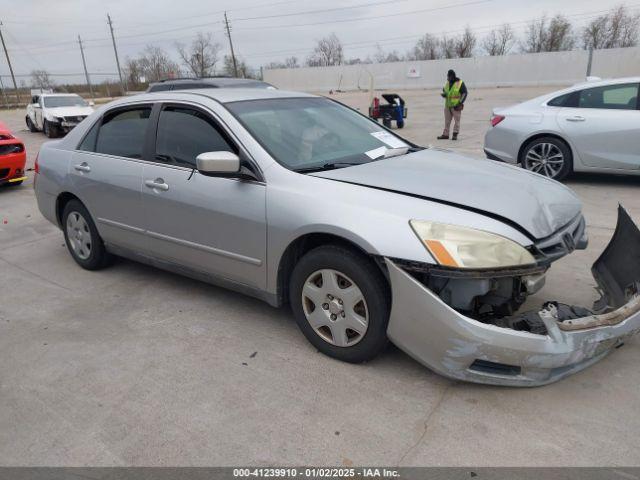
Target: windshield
x,y
308,133
64,101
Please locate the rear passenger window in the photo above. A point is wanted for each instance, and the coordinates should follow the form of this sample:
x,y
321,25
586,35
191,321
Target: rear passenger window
x,y
184,133
122,133
561,101
88,143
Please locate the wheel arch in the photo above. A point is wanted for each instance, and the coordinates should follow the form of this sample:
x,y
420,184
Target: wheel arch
x,y
61,201
542,135
305,243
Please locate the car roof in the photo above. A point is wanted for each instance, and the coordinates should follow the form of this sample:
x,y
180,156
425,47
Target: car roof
x,y
56,95
224,95
605,81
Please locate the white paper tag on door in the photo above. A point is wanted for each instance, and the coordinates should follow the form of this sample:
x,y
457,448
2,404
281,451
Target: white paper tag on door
x,y
388,139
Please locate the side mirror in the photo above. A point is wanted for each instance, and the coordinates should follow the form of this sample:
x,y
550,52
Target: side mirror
x,y
92,103
211,163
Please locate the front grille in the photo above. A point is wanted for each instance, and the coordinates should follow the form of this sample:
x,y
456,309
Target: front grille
x,y
77,119
4,172
562,242
11,148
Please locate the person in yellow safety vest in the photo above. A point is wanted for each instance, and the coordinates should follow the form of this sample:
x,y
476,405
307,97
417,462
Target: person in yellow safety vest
x,y
455,94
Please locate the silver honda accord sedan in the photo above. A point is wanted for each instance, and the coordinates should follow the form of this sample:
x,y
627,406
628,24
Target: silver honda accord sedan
x,y
590,127
297,199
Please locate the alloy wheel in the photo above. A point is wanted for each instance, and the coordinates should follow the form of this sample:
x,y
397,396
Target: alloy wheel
x,y
335,307
544,158
79,235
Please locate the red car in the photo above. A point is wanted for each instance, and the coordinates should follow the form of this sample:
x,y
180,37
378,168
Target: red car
x,y
13,157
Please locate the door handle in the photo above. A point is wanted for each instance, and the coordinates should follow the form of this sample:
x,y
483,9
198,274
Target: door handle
x,y
577,118
157,184
83,167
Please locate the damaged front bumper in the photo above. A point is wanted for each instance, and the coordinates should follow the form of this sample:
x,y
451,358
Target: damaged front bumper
x,y
456,346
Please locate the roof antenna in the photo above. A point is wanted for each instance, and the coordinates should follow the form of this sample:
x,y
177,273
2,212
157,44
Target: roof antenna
x,y
193,170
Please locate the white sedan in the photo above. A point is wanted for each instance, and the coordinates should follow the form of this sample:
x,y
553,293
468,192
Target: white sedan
x,y
590,127
56,113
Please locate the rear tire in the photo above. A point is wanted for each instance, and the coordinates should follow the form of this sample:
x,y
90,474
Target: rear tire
x,y
82,238
386,122
332,289
548,156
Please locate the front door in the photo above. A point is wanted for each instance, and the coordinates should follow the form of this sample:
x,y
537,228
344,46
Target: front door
x,y
106,172
604,126
213,225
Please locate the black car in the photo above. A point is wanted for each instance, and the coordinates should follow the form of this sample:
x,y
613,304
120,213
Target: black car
x,y
211,82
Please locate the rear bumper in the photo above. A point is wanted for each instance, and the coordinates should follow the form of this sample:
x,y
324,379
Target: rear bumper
x,y
456,346
501,144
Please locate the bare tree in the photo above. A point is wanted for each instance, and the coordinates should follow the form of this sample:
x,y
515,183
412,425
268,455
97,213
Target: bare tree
x,y
500,41
543,35
447,47
41,79
328,52
616,29
133,71
157,65
465,44
427,48
291,62
386,57
560,35
201,56
244,70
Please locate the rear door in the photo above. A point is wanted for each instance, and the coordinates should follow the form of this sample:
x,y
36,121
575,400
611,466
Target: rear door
x,y
603,124
214,225
106,172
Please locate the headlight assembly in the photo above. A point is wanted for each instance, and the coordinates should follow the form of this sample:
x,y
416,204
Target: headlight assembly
x,y
462,247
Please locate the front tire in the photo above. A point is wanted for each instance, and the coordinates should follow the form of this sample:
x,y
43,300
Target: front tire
x,y
341,302
51,131
32,128
548,156
82,238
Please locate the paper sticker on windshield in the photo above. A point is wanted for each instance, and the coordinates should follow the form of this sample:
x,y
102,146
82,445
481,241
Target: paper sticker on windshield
x,y
376,153
388,139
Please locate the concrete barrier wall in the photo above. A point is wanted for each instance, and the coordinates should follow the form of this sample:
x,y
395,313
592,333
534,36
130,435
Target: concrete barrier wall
x,y
535,69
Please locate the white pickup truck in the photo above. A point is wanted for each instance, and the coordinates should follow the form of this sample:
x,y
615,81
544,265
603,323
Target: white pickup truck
x,y
56,113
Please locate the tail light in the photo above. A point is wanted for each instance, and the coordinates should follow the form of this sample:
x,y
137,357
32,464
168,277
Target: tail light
x,y
496,119
36,168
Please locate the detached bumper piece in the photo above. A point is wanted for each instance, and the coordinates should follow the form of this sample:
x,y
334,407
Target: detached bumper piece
x,y
456,346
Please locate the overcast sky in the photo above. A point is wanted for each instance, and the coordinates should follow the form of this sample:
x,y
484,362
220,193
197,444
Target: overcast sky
x,y
43,34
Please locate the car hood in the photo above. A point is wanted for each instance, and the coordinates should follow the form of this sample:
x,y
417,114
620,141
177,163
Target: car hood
x,y
534,203
69,111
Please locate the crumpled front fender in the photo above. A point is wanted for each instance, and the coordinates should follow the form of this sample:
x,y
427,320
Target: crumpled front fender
x,y
456,346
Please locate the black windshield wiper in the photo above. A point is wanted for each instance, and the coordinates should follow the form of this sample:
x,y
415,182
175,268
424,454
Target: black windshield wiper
x,y
326,166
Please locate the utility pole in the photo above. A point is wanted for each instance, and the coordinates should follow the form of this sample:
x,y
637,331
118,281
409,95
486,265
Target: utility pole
x,y
233,56
4,94
115,50
6,54
590,62
84,64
